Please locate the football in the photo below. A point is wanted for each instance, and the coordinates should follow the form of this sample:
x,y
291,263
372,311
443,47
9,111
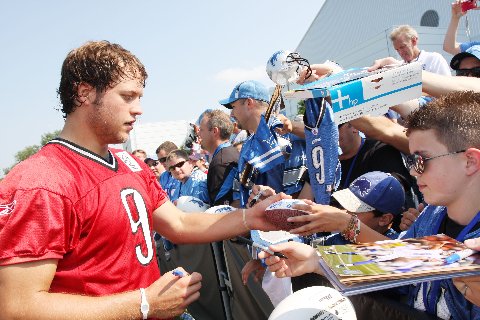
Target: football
x,y
191,204
278,213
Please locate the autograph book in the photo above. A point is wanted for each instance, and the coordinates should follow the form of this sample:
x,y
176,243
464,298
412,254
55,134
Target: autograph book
x,y
354,269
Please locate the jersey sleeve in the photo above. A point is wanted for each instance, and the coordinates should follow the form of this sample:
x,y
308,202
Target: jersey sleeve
x,y
39,225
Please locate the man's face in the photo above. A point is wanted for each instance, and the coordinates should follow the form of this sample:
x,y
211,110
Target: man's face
x,y
180,168
369,219
441,183
205,134
347,136
405,47
240,113
162,158
469,63
114,112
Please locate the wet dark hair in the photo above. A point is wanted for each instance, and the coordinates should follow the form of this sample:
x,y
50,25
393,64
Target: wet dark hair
x,y
100,64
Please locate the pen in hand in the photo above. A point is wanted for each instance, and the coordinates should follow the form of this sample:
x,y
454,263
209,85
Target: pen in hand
x,y
255,199
263,248
459,255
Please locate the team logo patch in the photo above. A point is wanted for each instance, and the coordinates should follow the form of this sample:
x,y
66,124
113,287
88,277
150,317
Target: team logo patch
x,y
7,208
363,186
129,161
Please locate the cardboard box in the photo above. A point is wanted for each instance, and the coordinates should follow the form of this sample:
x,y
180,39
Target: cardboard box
x,y
370,95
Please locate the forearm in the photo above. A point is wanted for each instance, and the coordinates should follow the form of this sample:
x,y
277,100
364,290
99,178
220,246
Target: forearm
x,y
298,129
450,43
202,228
52,306
437,85
382,129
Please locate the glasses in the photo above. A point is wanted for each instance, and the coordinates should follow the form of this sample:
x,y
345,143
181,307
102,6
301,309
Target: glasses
x,y
154,163
178,165
473,72
162,160
417,162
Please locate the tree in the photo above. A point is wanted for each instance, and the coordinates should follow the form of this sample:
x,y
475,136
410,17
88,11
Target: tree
x,y
26,152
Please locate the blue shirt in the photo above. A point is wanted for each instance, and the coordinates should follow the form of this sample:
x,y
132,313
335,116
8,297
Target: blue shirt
x,y
195,186
170,185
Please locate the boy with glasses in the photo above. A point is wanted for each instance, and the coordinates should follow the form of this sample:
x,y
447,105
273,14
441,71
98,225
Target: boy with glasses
x,y
446,136
168,183
467,64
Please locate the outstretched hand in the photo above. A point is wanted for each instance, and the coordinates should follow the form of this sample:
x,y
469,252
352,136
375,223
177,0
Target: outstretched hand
x,y
302,259
255,216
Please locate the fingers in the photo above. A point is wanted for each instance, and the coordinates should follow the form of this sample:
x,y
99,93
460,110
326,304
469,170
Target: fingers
x,y
473,243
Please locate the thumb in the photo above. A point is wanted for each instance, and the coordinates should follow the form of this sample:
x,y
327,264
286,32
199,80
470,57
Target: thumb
x,y
473,243
421,206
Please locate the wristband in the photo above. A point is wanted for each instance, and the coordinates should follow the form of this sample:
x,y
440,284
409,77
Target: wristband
x,y
144,306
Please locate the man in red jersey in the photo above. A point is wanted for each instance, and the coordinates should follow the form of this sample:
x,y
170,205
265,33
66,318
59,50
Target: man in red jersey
x,y
76,219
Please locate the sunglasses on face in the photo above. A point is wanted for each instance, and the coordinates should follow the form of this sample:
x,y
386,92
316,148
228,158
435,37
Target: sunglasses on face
x,y
178,165
417,162
162,160
154,163
473,72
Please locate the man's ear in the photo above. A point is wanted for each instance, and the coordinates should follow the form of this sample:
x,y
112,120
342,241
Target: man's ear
x,y
215,130
385,219
414,41
473,161
83,92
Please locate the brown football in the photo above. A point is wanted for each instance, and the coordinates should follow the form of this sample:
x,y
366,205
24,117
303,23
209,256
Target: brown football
x,y
279,217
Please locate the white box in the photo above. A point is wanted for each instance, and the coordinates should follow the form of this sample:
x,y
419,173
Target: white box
x,y
370,95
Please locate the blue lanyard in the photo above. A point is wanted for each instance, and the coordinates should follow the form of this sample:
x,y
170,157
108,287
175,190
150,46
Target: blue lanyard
x,y
347,179
220,147
430,301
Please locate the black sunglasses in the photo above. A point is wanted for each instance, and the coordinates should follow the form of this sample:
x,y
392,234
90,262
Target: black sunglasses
x,y
417,162
162,160
178,165
473,72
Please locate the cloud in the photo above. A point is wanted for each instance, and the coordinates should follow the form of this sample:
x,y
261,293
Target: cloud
x,y
235,75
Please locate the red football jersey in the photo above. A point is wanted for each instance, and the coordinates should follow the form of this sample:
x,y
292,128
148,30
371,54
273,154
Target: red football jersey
x,y
92,214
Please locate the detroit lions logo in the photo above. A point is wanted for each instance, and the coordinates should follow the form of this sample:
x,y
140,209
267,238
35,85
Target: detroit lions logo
x,y
7,208
362,185
198,202
274,58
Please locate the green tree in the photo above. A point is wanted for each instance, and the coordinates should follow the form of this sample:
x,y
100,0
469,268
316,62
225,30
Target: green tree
x,y
26,152
301,107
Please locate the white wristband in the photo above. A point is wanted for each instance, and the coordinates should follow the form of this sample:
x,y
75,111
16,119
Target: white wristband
x,y
144,306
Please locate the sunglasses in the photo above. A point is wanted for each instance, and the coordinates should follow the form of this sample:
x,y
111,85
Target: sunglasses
x,y
154,163
178,165
417,162
162,160
473,72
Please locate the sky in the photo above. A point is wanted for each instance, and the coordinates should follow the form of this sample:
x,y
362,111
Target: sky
x,y
194,52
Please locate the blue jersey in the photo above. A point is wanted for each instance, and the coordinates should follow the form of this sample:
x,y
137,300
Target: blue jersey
x,y
170,185
295,165
195,186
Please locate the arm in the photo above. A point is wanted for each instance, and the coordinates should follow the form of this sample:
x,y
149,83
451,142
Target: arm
x,y
25,295
325,218
434,84
450,43
181,227
405,108
382,129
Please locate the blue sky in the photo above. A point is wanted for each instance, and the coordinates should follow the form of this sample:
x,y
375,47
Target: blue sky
x,y
194,52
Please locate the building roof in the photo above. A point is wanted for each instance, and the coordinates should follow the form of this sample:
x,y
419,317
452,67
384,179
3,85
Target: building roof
x,y
355,33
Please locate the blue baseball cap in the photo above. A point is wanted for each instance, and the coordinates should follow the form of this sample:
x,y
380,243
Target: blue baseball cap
x,y
247,89
374,190
473,51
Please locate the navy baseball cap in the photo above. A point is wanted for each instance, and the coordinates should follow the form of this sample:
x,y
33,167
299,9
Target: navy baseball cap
x,y
247,89
374,190
473,51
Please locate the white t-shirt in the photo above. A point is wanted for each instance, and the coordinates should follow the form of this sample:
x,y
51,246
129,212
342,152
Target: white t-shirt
x,y
434,62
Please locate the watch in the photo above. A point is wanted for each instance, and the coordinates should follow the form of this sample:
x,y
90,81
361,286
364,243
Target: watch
x,y
144,306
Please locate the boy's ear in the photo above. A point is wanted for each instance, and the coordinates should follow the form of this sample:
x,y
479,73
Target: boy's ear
x,y
385,219
473,160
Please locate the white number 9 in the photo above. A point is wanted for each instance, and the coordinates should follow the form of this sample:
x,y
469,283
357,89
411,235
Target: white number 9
x,y
318,163
142,222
